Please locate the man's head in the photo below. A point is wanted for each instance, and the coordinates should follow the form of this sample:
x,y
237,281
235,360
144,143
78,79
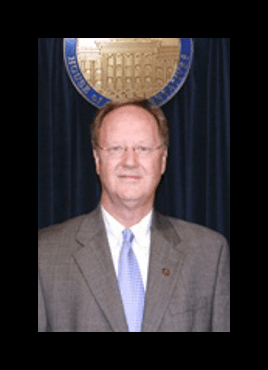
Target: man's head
x,y
143,103
130,143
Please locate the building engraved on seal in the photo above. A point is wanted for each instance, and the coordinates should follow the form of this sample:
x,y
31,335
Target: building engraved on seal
x,y
127,68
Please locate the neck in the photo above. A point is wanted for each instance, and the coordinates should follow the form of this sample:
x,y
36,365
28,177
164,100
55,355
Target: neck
x,y
127,215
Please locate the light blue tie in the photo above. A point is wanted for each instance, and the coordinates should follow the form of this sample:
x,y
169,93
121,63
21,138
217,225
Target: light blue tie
x,y
130,284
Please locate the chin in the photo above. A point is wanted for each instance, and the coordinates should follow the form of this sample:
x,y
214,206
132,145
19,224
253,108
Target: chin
x,y
130,196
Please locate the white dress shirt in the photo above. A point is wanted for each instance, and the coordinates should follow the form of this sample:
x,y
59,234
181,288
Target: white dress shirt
x,y
141,242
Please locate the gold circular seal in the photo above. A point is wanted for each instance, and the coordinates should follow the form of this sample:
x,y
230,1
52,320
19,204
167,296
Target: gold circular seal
x,y
127,68
122,69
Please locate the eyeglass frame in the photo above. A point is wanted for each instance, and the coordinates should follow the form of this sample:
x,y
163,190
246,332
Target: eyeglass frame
x,y
134,148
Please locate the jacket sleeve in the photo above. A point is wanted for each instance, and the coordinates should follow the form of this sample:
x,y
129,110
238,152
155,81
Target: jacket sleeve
x,y
221,308
42,319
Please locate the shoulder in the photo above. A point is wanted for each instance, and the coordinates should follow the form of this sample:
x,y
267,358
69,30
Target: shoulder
x,y
57,241
54,233
192,231
196,238
61,238
205,250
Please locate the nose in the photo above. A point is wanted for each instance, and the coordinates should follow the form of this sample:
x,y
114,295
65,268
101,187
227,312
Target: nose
x,y
130,158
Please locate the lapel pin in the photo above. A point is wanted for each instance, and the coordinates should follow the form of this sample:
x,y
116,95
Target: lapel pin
x,y
166,272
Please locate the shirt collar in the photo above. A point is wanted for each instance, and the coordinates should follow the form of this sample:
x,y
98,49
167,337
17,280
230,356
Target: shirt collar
x,y
112,225
140,230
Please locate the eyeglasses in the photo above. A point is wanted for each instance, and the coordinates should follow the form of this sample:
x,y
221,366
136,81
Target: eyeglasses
x,y
142,151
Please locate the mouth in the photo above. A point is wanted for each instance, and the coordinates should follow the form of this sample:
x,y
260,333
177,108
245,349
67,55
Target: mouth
x,y
127,177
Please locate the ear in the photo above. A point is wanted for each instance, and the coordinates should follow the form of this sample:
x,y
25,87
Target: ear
x,y
97,160
164,161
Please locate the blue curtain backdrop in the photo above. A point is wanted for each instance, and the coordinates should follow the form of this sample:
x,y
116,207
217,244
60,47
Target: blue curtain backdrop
x,y
196,186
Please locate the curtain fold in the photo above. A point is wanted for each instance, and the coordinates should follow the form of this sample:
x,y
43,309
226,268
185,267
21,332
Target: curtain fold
x,y
196,186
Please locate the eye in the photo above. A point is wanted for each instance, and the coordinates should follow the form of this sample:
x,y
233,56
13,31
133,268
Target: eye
x,y
115,150
143,150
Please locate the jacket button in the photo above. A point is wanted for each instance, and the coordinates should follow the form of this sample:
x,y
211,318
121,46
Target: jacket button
x,y
166,272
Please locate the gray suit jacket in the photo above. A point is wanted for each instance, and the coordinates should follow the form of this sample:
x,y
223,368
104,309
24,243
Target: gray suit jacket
x,y
77,285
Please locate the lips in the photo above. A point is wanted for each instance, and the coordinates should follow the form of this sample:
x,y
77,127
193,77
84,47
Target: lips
x,y
130,177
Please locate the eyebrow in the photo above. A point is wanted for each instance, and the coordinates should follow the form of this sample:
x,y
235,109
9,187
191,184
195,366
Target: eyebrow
x,y
141,142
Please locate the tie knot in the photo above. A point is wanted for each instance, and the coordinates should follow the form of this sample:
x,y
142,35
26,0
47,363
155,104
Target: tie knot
x,y
128,236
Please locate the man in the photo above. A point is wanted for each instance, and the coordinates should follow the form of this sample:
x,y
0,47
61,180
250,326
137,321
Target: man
x,y
124,267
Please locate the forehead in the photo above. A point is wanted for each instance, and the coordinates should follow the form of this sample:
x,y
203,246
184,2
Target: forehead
x,y
129,122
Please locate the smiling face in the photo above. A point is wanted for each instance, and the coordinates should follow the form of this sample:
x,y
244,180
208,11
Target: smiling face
x,y
129,180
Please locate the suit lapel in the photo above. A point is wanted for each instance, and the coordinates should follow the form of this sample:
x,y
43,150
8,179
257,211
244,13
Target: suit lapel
x,y
96,265
166,253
